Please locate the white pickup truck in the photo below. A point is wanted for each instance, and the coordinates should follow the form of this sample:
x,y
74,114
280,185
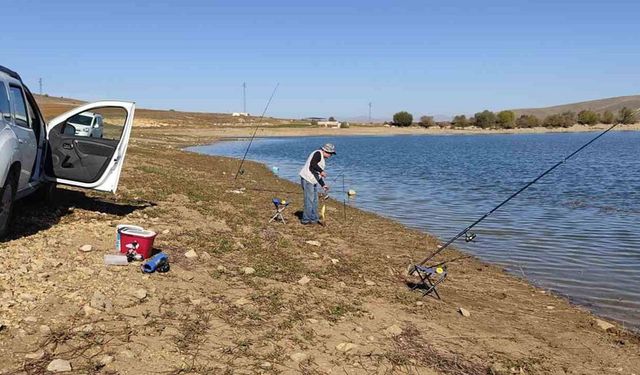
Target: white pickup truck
x,y
33,153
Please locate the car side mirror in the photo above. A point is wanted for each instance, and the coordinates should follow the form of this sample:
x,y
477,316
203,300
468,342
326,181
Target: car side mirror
x,y
7,116
69,129
96,126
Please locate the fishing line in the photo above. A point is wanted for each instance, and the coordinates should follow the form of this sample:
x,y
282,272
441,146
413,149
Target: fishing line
x,y
452,260
344,200
344,193
469,236
240,170
337,176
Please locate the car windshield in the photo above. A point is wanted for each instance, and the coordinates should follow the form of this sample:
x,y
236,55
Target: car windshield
x,y
81,120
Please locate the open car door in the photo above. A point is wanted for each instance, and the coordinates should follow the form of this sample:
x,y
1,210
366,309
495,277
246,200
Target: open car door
x,y
78,158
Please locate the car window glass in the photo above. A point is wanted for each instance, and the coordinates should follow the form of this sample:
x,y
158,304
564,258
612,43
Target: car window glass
x,y
30,109
104,123
4,100
20,106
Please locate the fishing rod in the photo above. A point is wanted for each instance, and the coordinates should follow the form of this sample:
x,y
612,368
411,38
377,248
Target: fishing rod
x,y
471,236
240,170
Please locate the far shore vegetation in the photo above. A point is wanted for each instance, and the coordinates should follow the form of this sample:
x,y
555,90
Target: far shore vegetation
x,y
508,120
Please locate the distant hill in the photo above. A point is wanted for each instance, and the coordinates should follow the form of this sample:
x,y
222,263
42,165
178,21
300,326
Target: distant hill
x,y
52,106
600,105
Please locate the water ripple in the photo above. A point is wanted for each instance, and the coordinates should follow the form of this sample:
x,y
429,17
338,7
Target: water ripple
x,y
574,232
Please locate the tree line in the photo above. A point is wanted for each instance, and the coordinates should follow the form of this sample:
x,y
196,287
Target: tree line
x,y
507,119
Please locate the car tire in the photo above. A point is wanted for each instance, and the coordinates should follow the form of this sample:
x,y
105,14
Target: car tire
x,y
7,200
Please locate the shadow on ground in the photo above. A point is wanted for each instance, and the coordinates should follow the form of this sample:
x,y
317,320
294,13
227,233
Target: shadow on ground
x,y
33,215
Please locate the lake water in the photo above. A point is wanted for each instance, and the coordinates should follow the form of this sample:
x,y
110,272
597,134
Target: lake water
x,y
576,232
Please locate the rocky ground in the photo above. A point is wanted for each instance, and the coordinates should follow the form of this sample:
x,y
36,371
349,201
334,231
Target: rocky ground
x,y
247,296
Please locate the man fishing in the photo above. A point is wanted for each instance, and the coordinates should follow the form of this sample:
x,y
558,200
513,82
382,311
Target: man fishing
x,y
311,176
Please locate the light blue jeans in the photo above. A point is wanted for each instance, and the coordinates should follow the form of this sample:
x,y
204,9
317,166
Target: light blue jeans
x,y
310,213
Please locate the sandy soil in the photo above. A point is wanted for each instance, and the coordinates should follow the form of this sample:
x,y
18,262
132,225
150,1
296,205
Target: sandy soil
x,y
259,298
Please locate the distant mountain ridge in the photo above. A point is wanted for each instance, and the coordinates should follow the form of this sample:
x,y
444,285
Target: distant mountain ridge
x,y
599,105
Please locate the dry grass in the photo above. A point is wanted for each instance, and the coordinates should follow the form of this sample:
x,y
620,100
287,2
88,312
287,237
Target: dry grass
x,y
208,316
411,349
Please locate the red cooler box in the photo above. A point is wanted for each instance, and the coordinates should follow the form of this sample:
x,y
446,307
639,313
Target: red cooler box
x,y
141,239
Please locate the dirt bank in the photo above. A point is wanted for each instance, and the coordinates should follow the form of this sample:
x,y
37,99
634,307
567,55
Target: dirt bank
x,y
260,299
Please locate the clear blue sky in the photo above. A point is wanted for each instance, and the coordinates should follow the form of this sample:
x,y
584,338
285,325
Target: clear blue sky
x,y
330,57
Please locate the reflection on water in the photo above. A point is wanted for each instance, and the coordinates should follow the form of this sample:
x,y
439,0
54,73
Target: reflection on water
x,y
576,232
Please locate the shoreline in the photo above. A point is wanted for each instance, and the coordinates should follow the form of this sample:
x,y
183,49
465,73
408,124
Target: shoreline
x,y
196,134
569,298
258,296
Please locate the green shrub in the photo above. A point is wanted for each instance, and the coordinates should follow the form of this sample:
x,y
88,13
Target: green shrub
x,y
607,117
506,119
460,121
344,125
485,119
570,118
403,118
564,120
472,121
552,121
427,121
626,116
587,117
527,121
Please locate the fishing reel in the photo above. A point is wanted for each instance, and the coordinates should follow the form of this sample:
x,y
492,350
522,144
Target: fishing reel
x,y
469,237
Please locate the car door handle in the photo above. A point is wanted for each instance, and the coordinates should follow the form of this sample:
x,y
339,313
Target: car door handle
x,y
67,146
20,140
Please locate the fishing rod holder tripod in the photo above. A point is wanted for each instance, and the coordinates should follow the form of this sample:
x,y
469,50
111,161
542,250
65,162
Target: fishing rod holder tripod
x,y
430,278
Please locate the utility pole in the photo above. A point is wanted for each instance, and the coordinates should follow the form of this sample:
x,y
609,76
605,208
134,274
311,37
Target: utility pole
x,y
244,97
369,112
40,83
